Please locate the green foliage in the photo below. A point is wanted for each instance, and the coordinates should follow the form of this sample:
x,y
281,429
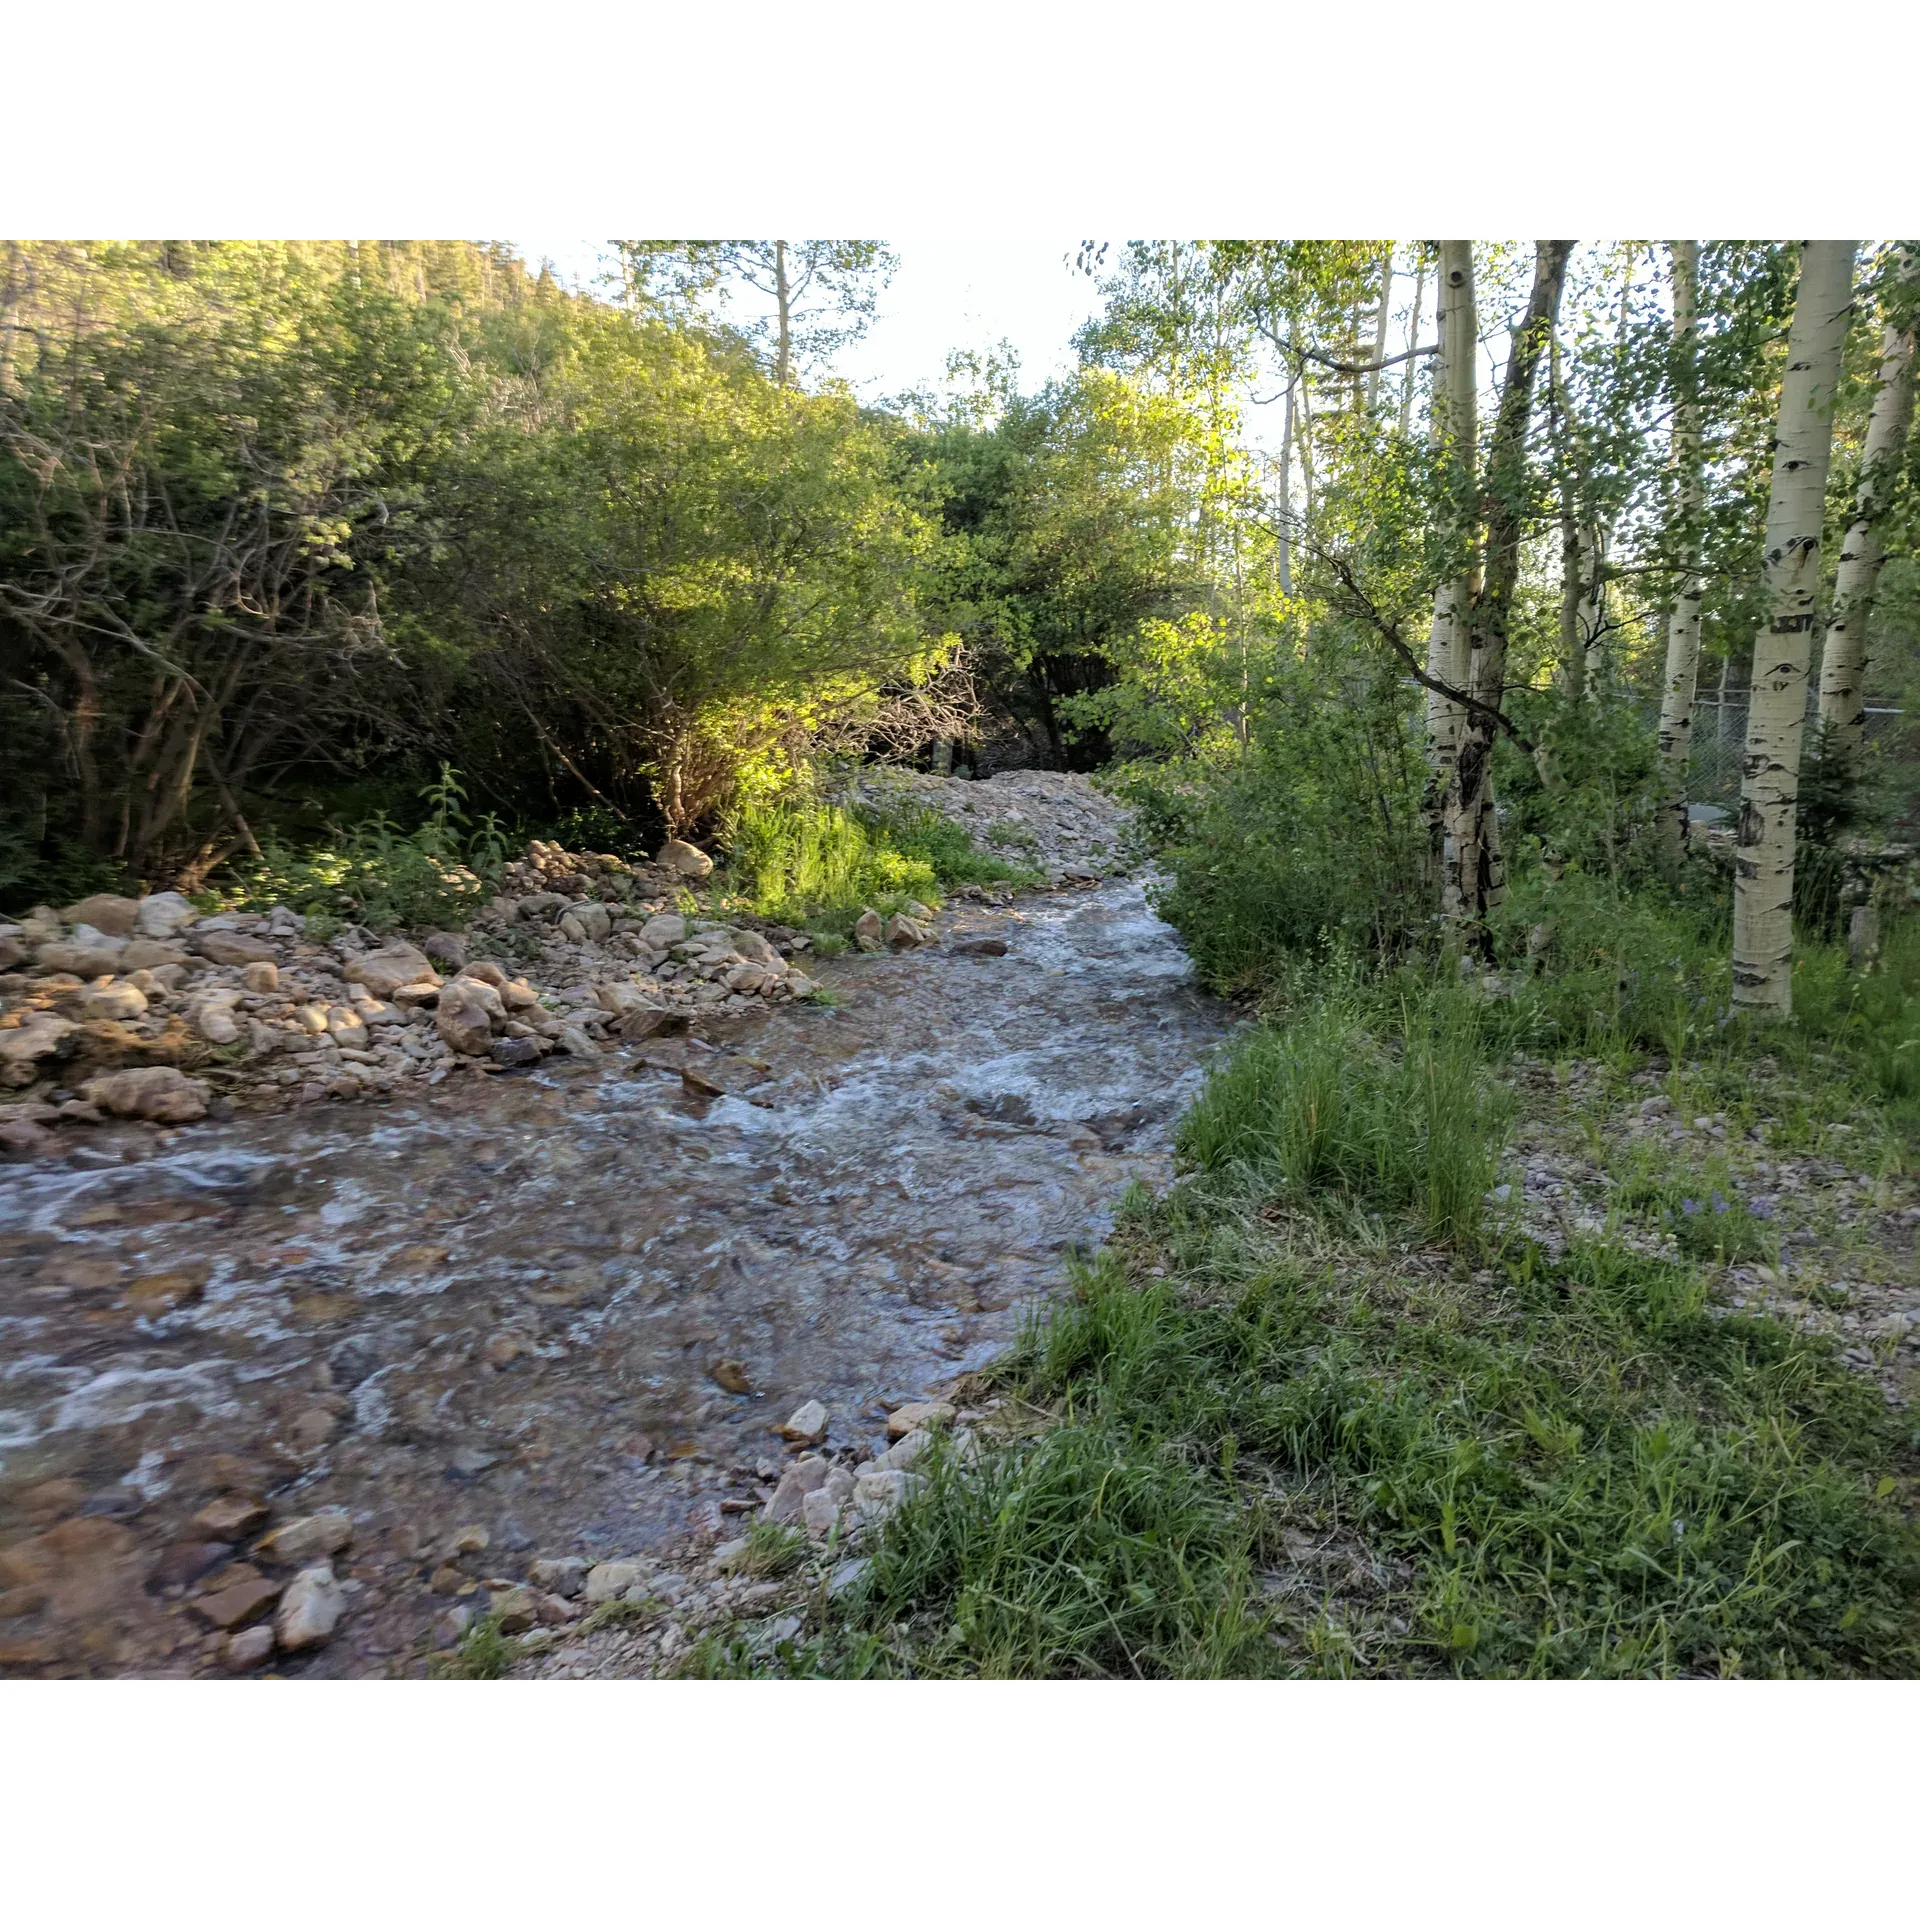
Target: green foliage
x,y
483,1652
371,873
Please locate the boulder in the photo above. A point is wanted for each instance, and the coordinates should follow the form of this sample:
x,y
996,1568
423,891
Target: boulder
x,y
113,913
25,1049
757,948
309,1610
448,949
149,1093
515,1050
869,929
120,1000
315,1536
89,959
904,933
162,915
392,967
807,1423
593,919
610,1580
516,1608
142,952
465,1016
785,1503
564,1577
226,949
261,977
664,930
745,978
624,996
682,857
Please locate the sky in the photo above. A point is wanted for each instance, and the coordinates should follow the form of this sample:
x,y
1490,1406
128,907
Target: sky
x,y
948,294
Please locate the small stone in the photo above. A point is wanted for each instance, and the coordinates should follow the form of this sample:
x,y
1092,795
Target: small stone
x,y
218,1025
446,1580
156,1293
231,1517
248,1649
469,1463
261,976
610,1580
515,1051
565,1577
730,1374
806,1423
236,1605
819,1510
309,1610
555,1611
447,948
121,1000
919,1413
316,1536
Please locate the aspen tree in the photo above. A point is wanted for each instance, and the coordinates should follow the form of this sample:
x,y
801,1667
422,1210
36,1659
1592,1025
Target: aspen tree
x,y
1777,700
1476,829
1844,662
1454,430
1683,624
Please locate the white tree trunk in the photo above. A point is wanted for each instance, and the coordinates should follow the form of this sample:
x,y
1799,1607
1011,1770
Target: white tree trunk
x,y
1454,431
1683,624
1777,700
783,295
1844,663
1380,330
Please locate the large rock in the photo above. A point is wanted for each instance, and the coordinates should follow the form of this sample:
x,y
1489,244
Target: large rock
x,y
119,1000
904,933
149,1093
392,967
586,920
228,949
680,856
162,915
87,958
230,1517
142,952
869,929
309,1610
757,948
564,1577
624,996
745,978
807,1423
610,1580
917,1414
25,1050
466,1014
786,1502
217,1022
664,930
113,913
313,1537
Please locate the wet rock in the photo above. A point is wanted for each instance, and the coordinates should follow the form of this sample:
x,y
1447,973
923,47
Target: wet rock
x,y
729,1374
315,1536
788,1499
231,949
919,1413
238,1604
564,1577
24,1138
231,1517
112,913
679,856
610,1580
807,1423
247,1650
149,1093
162,915
309,1610
987,948
396,965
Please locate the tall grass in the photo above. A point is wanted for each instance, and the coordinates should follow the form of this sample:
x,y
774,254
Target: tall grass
x,y
1413,1121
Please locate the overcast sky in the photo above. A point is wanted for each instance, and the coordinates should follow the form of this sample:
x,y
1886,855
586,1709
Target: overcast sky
x,y
948,294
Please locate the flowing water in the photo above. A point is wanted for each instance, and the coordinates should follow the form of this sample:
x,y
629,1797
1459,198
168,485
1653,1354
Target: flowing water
x,y
569,1306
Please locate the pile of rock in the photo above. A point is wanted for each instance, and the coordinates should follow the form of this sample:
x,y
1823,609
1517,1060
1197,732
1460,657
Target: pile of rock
x,y
1060,822
121,1008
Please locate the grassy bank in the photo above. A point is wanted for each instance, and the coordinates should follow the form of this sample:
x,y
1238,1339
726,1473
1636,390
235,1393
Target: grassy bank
x,y
1339,1403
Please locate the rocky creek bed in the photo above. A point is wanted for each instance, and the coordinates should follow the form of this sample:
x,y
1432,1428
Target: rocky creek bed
x,y
310,1390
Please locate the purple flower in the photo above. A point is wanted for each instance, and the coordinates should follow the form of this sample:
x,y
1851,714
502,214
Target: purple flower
x,y
1719,1205
1761,1206
1689,1207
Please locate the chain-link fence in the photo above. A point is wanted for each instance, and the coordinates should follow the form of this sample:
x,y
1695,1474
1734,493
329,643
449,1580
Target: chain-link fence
x,y
1719,742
